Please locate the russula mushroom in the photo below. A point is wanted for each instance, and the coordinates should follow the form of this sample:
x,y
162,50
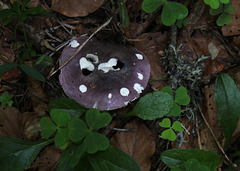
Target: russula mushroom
x,y
103,75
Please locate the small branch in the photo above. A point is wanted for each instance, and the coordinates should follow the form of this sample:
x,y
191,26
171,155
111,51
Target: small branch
x,y
80,47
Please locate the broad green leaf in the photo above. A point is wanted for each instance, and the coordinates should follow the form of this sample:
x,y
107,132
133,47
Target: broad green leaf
x,y
47,127
77,154
96,142
77,130
194,164
169,134
224,19
228,8
6,99
111,159
214,4
84,164
6,13
173,11
167,90
67,105
96,120
217,11
151,5
177,126
166,123
181,96
152,106
61,138
227,97
6,67
63,164
224,1
34,10
18,155
175,111
177,158
123,13
59,117
32,72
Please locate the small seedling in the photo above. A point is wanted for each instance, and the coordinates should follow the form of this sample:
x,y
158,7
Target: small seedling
x,y
169,133
181,98
6,99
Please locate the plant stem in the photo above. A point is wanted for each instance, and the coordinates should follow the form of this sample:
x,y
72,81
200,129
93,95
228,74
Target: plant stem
x,y
24,32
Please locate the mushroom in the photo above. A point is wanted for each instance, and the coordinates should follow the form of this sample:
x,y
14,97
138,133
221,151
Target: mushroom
x,y
103,75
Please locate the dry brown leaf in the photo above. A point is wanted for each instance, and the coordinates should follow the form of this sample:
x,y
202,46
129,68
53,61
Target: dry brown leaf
x,y
79,8
138,143
9,122
152,44
48,159
233,29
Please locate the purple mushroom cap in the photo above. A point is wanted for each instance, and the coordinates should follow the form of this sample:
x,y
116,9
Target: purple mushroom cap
x,y
103,75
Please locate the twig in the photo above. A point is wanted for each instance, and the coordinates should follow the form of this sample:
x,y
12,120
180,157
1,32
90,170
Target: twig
x,y
80,47
219,146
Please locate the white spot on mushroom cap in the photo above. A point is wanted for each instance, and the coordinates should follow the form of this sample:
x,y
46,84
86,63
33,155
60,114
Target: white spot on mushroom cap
x,y
85,64
93,57
107,66
74,44
110,95
124,91
138,88
126,103
139,56
95,105
83,88
140,76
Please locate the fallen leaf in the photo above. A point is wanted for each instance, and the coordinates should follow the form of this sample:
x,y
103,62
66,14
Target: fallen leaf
x,y
9,122
78,8
138,143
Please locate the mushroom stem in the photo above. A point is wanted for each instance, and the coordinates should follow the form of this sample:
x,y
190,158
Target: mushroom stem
x,y
80,47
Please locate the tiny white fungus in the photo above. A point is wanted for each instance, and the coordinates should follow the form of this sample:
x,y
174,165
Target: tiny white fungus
x,y
107,66
140,76
73,44
85,64
138,88
82,88
110,95
126,103
93,57
95,105
139,56
124,91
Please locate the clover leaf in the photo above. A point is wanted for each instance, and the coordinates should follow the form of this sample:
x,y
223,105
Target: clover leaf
x,y
166,123
77,130
6,99
47,127
181,96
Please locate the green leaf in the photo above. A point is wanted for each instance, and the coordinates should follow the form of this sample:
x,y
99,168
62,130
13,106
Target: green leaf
x,y
224,19
217,11
181,96
175,111
61,138
227,97
111,159
224,1
96,120
63,164
151,5
77,130
177,126
96,142
45,60
8,20
166,123
177,158
193,163
152,106
167,90
6,99
34,10
173,11
67,105
214,4
77,154
182,22
228,8
59,117
169,134
32,72
24,3
47,127
6,13
6,67
123,13
18,155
